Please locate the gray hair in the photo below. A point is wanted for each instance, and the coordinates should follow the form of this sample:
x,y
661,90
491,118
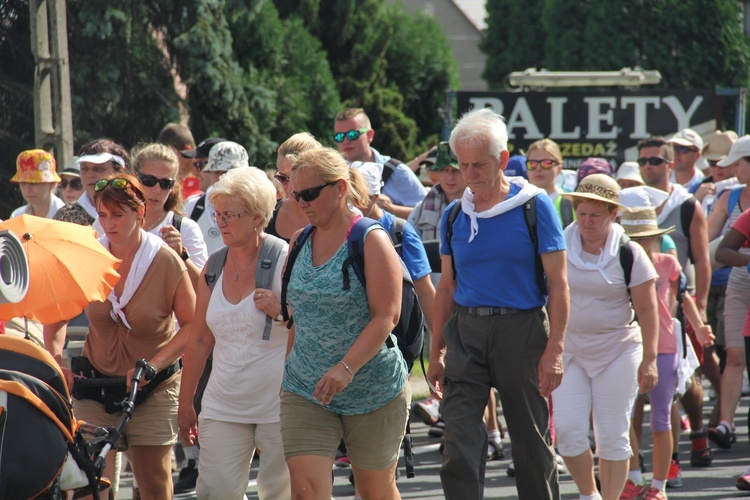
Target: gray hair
x,y
251,187
481,127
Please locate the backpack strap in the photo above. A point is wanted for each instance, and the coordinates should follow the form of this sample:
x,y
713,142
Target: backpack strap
x,y
265,269
529,215
452,216
397,233
356,246
177,222
687,210
293,254
734,199
566,212
199,208
389,168
215,265
626,260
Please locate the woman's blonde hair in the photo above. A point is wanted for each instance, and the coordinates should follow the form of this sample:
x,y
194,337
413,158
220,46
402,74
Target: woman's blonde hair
x,y
160,152
251,187
297,144
549,146
330,166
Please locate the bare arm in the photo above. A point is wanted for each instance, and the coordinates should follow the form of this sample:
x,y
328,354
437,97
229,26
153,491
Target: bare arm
x,y
699,248
398,210
550,369
702,330
644,302
443,308
54,339
728,250
718,217
426,295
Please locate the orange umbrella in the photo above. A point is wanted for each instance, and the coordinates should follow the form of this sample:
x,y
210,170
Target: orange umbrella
x,y
68,269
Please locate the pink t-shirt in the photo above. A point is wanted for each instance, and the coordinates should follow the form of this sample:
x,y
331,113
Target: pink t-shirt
x,y
742,224
669,270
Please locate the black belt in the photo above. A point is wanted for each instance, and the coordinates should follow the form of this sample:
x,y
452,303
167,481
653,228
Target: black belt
x,y
487,311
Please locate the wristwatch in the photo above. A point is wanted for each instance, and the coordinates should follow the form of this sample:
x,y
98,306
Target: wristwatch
x,y
184,255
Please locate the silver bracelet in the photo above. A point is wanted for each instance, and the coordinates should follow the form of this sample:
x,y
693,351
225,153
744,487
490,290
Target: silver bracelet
x,y
347,368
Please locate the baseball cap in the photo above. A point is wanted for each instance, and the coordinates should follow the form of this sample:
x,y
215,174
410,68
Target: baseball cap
x,y
225,156
740,149
687,137
445,157
35,166
202,150
516,166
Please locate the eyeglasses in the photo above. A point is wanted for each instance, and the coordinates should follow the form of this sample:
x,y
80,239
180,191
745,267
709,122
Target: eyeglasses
x,y
281,178
713,163
352,135
310,194
545,164
684,149
653,160
199,165
226,218
118,184
73,183
152,180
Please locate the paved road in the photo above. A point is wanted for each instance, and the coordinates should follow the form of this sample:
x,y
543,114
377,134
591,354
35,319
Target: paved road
x,y
715,482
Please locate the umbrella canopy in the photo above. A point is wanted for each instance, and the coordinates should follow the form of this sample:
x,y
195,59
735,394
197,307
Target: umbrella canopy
x,y
68,269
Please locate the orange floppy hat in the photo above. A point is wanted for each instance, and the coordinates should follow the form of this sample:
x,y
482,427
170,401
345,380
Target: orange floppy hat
x,y
36,166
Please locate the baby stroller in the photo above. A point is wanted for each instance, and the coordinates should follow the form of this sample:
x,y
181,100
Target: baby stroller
x,y
44,452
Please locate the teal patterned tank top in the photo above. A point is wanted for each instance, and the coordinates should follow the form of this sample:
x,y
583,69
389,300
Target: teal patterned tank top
x,y
328,321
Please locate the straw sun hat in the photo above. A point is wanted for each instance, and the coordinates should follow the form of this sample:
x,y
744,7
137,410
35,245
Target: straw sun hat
x,y
597,187
641,223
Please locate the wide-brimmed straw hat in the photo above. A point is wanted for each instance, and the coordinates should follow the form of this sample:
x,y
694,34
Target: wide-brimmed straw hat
x,y
719,145
641,223
597,187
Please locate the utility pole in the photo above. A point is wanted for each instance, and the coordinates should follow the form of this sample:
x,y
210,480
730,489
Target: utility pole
x,y
53,121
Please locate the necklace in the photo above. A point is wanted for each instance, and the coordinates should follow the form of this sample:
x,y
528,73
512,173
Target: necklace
x,y
158,221
236,272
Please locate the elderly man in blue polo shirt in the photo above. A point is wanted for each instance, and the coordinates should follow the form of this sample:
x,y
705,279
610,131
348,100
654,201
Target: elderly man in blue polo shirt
x,y
490,307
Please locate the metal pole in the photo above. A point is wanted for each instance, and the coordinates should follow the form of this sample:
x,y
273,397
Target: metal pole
x,y
43,127
61,96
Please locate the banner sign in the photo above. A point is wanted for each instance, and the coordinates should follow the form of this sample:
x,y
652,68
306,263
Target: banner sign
x,y
605,124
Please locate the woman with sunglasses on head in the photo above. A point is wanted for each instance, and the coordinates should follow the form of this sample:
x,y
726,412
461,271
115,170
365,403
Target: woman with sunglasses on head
x,y
288,217
543,165
341,378
157,166
137,321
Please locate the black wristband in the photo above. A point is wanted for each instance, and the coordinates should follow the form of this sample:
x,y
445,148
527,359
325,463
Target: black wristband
x,y
184,255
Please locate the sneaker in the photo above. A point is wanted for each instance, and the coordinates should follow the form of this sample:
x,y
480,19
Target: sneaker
x,y
438,429
701,458
674,476
743,482
654,494
342,461
511,470
495,450
561,469
633,491
186,481
722,436
427,411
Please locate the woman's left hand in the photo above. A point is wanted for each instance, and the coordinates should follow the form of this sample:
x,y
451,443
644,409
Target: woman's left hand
x,y
266,302
648,376
172,238
335,380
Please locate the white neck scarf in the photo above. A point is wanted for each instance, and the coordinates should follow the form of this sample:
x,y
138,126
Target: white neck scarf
x,y
610,251
677,197
87,205
527,192
150,245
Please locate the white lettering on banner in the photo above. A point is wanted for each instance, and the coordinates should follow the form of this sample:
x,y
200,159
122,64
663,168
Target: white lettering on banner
x,y
683,117
488,102
522,117
556,119
640,110
597,116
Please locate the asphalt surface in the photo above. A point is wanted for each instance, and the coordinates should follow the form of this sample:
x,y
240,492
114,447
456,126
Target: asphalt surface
x,y
714,482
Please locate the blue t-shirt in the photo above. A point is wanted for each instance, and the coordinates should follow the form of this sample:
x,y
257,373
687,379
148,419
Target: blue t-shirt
x,y
497,268
403,187
412,251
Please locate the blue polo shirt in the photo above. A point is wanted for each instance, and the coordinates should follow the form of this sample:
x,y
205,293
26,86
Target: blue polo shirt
x,y
497,268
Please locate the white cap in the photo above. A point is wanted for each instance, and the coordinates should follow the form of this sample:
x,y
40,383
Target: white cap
x,y
629,171
372,172
687,137
739,149
226,156
642,196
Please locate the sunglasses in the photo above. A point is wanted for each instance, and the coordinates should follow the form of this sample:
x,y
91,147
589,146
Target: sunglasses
x,y
118,184
151,181
653,160
352,135
713,163
225,218
73,183
199,165
545,164
684,150
310,194
281,178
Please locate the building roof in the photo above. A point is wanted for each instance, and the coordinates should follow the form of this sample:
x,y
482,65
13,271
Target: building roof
x,y
475,11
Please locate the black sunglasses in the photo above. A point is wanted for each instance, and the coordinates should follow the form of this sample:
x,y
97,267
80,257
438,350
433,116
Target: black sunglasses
x,y
117,183
73,183
312,193
352,135
684,149
545,164
151,181
653,160
281,178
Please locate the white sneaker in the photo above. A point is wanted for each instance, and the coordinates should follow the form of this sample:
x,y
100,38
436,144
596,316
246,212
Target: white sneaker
x,y
427,411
